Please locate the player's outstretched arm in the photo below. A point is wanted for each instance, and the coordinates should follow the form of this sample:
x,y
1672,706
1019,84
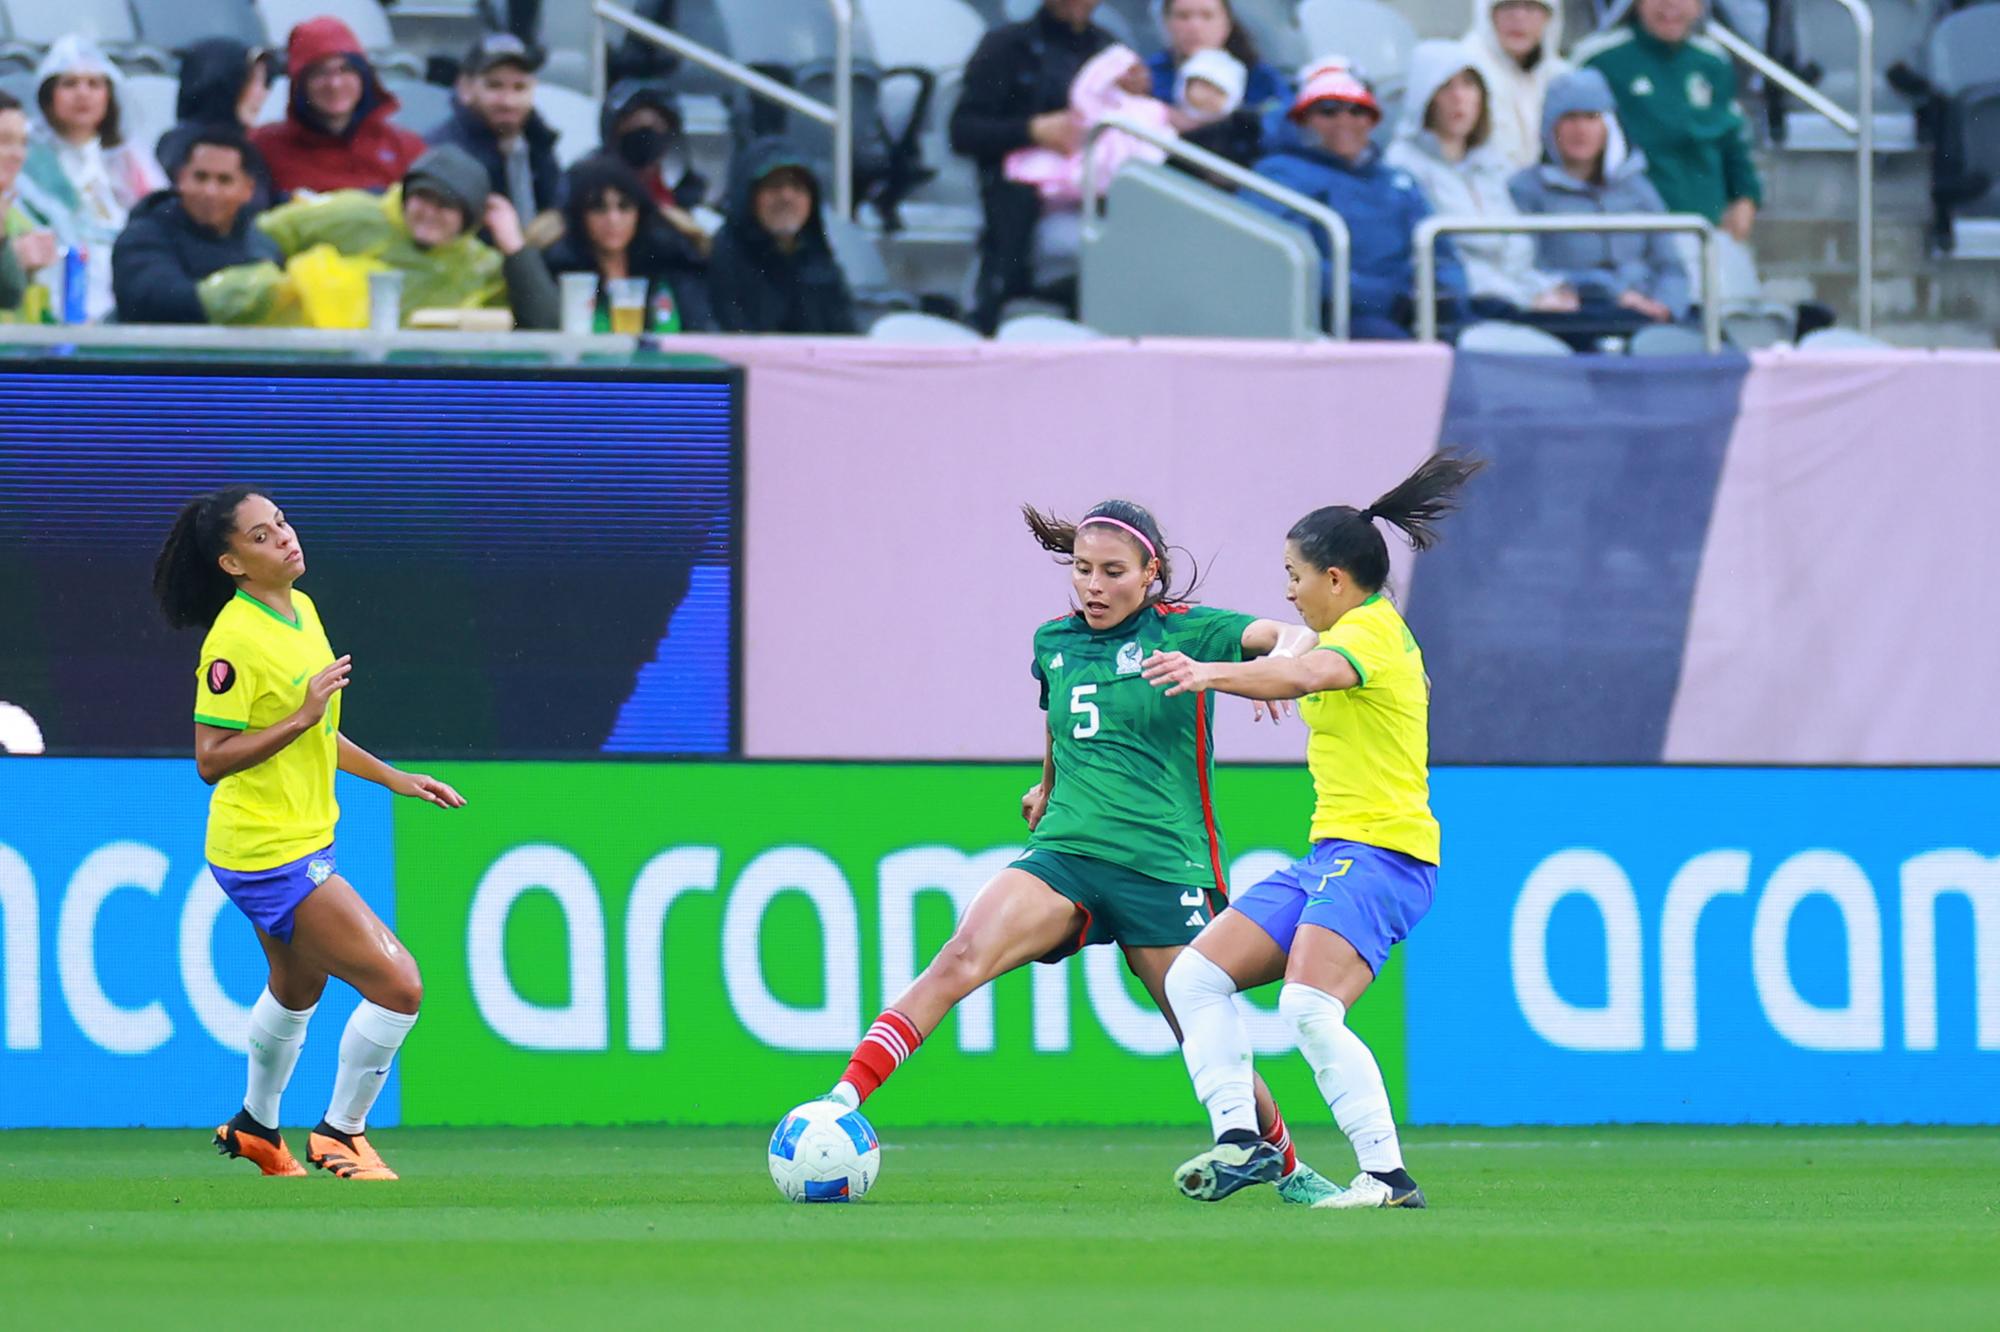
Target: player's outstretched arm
x,y
1277,638
1266,678
358,762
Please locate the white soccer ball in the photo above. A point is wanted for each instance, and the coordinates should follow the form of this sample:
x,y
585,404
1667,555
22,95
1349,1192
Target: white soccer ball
x,y
824,1152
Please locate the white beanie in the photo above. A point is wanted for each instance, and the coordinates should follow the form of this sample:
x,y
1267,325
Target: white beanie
x,y
1214,66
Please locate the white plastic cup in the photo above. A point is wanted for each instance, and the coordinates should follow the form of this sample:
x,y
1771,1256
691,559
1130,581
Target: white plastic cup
x,y
385,301
579,302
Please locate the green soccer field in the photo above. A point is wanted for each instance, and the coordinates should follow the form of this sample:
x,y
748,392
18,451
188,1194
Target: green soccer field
x,y
1603,1228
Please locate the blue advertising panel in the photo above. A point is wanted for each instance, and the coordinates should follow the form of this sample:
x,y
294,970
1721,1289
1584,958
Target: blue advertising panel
x,y
125,975
1710,946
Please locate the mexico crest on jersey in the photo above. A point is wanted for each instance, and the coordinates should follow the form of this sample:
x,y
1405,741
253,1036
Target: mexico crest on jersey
x,y
1128,659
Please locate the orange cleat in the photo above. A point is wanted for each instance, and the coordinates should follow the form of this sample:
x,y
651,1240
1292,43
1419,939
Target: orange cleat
x,y
346,1155
243,1137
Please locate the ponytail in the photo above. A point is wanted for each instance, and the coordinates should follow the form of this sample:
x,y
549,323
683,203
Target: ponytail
x,y
1342,537
190,586
1134,523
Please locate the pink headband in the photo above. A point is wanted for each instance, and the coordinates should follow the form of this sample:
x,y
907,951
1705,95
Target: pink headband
x,y
1127,527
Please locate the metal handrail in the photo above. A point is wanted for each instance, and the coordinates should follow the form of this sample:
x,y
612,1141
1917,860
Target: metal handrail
x,y
1313,210
840,116
1861,128
1428,230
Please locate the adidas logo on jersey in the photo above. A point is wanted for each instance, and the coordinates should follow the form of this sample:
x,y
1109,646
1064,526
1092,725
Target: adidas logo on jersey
x,y
1194,918
1055,662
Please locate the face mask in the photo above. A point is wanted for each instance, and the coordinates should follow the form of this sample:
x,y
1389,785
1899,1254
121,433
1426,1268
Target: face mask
x,y
643,147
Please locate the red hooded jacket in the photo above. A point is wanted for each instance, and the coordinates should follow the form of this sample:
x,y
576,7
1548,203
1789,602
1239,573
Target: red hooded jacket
x,y
371,154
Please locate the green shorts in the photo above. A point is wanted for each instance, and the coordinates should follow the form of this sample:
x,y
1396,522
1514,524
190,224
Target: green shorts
x,y
1121,905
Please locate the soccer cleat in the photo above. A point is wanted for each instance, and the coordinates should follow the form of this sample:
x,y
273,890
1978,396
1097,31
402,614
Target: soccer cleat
x,y
1368,1191
245,1139
1306,1187
1227,1167
346,1155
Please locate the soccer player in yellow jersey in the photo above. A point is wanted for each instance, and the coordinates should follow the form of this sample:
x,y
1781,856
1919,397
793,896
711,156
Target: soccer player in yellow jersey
x,y
1326,923
267,737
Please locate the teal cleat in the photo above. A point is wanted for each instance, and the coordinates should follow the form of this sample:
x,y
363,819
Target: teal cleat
x,y
1227,1167
1306,1187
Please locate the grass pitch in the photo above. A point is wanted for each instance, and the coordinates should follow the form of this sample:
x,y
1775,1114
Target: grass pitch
x,y
1618,1228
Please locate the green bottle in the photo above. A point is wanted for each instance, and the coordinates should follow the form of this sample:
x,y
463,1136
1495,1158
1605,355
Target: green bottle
x,y
666,310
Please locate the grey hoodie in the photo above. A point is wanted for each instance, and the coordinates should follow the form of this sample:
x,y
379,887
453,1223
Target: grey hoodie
x,y
1502,267
1600,265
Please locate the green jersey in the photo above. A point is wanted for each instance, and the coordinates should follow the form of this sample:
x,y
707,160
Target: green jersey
x,y
1134,768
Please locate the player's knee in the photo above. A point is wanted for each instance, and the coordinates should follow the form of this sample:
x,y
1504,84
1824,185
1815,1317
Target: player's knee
x,y
962,965
403,992
1307,1009
1193,980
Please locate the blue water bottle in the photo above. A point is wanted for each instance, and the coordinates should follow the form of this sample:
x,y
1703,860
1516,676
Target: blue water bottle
x,y
75,285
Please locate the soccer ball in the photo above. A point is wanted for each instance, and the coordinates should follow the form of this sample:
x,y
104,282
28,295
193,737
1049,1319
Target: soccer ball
x,y
824,1152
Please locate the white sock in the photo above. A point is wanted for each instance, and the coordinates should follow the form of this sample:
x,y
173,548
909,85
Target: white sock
x,y
367,1048
846,1093
277,1034
1214,1041
1347,1074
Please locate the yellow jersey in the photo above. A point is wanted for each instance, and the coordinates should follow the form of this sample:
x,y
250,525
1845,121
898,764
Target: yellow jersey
x,y
1370,748
254,667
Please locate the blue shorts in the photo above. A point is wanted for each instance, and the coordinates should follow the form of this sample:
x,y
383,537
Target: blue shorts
x,y
270,896
1369,896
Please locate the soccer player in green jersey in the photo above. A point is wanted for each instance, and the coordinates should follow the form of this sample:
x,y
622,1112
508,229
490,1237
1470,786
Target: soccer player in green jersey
x,y
1123,847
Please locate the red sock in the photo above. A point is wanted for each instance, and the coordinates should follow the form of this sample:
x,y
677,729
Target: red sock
x,y
888,1043
1281,1137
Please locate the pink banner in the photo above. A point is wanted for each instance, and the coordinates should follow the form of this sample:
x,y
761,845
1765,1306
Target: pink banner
x,y
891,589
1846,610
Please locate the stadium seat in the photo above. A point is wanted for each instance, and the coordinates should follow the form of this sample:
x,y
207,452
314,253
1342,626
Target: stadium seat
x,y
149,106
1045,328
40,23
574,116
280,98
425,105
1274,28
1840,339
789,33
928,330
1824,40
1965,115
1495,335
860,260
1667,340
569,27
922,34
1754,330
1373,36
175,25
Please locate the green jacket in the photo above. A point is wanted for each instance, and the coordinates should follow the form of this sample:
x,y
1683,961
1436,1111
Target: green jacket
x,y
464,273
1678,104
22,300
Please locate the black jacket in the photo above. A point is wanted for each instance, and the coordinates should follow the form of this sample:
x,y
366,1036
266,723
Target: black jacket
x,y
161,256
467,131
756,287
1019,71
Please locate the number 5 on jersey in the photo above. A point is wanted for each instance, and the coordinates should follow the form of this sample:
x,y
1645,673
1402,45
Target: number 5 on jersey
x,y
1081,706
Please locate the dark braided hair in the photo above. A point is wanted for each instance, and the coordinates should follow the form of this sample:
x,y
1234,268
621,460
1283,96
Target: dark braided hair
x,y
1342,537
1058,535
190,586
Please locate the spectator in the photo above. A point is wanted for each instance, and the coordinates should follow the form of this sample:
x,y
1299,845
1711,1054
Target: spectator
x,y
1016,95
1589,169
495,120
1515,42
1676,91
1194,26
83,160
615,230
1333,161
1445,141
773,270
425,229
223,82
28,247
1102,89
178,237
336,134
644,127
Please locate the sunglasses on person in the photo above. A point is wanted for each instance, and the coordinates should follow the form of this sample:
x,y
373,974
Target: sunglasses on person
x,y
1329,110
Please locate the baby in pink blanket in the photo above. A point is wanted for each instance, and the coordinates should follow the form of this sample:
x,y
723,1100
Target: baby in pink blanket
x,y
1102,88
